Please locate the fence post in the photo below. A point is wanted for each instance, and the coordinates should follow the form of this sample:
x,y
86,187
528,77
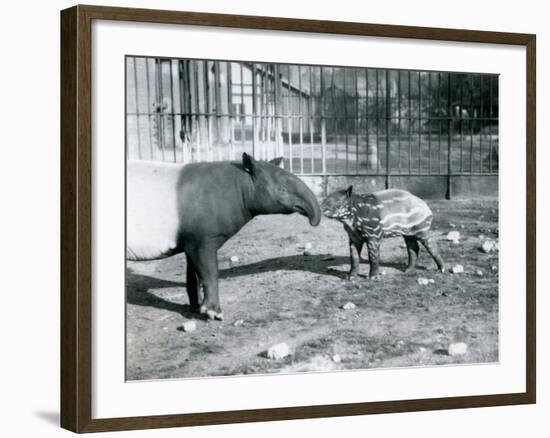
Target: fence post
x,y
254,110
323,124
449,137
388,116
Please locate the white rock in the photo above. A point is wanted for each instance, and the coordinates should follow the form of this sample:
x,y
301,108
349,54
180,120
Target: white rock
x,y
423,281
453,236
494,268
422,350
457,349
479,273
307,253
238,323
189,326
481,236
336,358
308,245
489,246
234,259
348,306
382,272
278,351
457,269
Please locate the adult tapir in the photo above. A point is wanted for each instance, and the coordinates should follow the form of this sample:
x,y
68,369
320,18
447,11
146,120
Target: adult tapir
x,y
196,208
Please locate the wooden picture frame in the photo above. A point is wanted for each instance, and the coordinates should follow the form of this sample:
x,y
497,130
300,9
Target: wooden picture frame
x,y
76,218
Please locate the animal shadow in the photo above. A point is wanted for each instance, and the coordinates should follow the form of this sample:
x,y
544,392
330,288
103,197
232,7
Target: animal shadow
x,y
138,287
317,264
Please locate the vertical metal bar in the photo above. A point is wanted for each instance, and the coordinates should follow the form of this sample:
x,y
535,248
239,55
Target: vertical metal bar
x,y
410,118
367,116
419,122
430,122
218,101
289,120
137,108
399,119
461,122
172,114
323,123
388,117
490,124
449,138
277,79
182,97
480,124
160,125
208,109
254,110
243,109
357,121
311,123
335,119
470,117
301,119
189,110
149,103
231,117
344,70
439,114
197,109
377,123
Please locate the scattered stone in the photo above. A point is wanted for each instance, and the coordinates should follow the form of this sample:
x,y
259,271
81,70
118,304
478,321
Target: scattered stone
x,y
479,273
494,268
457,349
452,225
489,246
278,351
481,236
234,259
336,358
189,326
422,350
348,306
308,245
238,323
425,281
453,236
382,272
457,269
462,226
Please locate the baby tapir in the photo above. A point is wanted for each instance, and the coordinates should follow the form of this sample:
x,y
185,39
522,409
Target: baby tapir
x,y
370,217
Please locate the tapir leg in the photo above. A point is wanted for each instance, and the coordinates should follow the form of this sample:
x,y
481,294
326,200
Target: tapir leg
x,y
355,247
432,250
373,247
205,259
192,286
412,251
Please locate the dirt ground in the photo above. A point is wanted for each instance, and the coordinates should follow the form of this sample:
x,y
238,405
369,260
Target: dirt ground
x,y
275,294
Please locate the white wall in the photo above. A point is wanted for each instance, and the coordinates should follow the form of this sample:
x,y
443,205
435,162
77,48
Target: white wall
x,y
29,234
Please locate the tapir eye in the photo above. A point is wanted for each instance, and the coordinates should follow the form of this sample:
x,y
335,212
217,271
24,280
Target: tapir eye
x,y
283,191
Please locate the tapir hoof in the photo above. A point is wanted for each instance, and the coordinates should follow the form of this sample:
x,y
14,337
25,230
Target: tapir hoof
x,y
212,314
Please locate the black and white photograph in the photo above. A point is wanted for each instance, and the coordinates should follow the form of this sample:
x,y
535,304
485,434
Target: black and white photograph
x,y
289,218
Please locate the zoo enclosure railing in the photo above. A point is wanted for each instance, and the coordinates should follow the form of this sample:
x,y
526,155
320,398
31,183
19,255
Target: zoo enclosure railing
x,y
324,120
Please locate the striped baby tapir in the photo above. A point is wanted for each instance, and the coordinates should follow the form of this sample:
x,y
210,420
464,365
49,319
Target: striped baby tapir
x,y
368,218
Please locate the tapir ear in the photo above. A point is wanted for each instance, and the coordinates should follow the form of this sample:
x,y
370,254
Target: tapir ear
x,y
276,161
249,164
349,191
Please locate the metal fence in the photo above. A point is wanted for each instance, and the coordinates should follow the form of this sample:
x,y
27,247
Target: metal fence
x,y
323,120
